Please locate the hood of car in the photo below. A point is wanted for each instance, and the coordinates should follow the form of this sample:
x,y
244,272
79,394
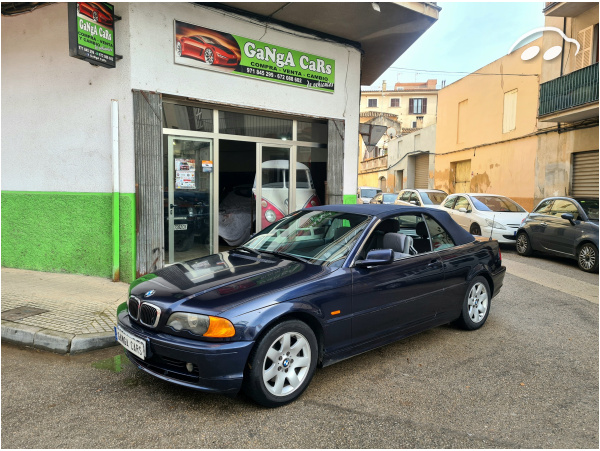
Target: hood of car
x,y
219,282
504,217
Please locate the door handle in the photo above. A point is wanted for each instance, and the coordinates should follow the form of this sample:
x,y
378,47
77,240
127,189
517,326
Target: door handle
x,y
434,264
171,206
543,224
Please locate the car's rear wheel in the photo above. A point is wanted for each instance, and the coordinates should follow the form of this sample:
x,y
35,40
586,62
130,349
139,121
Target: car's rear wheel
x,y
178,49
282,364
587,257
475,229
476,306
523,245
209,58
95,15
78,10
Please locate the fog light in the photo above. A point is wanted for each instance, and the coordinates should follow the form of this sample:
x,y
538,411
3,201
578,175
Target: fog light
x,y
189,367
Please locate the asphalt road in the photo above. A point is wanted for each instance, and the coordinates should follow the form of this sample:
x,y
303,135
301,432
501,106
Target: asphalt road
x,y
527,379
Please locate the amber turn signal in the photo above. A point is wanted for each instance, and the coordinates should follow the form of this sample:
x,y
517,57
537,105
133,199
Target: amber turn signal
x,y
219,328
337,312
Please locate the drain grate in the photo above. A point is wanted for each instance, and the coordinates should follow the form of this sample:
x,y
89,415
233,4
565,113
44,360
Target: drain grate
x,y
15,314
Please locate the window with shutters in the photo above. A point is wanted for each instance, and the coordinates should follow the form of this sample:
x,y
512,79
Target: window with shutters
x,y
586,40
595,45
372,103
417,106
509,120
395,103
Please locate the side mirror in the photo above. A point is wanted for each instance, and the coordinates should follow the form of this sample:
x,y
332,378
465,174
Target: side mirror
x,y
463,210
377,257
569,217
413,202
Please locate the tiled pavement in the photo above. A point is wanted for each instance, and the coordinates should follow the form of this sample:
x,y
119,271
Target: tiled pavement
x,y
78,313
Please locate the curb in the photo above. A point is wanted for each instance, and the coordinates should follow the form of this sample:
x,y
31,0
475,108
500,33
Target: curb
x,y
53,341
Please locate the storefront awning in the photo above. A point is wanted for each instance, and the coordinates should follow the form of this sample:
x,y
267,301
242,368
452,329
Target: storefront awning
x,y
382,35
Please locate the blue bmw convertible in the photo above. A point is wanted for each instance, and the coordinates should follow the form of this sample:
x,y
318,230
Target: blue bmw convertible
x,y
321,285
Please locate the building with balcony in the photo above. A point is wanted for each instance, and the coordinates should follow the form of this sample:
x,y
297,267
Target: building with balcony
x,y
407,108
567,160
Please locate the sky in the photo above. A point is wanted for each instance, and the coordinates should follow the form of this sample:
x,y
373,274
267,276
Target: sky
x,y
466,37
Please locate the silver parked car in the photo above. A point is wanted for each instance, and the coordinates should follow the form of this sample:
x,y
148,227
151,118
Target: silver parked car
x,y
421,197
565,227
384,198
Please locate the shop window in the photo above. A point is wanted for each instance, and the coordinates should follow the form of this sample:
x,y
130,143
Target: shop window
x,y
311,177
184,117
233,123
372,103
315,132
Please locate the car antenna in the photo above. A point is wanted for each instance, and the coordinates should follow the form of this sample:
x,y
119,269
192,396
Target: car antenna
x,y
493,222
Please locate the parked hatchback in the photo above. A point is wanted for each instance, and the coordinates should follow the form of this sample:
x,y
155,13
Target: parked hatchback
x,y
421,197
384,198
490,215
565,227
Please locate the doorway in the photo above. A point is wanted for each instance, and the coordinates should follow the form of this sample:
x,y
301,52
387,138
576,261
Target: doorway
x,y
188,196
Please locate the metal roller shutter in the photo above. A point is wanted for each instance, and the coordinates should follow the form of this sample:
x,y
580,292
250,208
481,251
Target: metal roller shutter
x,y
422,171
584,181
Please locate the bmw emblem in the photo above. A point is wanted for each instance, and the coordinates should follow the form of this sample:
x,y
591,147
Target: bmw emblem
x,y
149,293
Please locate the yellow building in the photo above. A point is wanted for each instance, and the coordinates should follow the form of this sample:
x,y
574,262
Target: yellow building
x,y
486,128
526,128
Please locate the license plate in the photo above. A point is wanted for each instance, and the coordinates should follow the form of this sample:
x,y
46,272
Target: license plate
x,y
180,226
133,344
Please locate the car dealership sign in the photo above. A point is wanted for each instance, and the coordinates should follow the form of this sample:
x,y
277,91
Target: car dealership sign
x,y
223,52
91,33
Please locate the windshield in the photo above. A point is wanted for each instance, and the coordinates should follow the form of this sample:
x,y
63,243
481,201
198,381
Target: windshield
x,y
433,198
319,237
371,193
590,206
496,203
389,197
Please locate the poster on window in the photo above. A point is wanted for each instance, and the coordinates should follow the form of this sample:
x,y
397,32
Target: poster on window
x,y
185,173
205,48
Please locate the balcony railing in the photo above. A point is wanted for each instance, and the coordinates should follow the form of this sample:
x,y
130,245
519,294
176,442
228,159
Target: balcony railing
x,y
373,164
569,91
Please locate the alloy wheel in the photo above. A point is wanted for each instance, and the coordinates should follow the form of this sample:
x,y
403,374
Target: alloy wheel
x,y
178,49
587,257
95,14
286,364
477,302
522,243
208,56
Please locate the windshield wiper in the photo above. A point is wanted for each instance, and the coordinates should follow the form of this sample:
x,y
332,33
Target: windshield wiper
x,y
283,254
247,249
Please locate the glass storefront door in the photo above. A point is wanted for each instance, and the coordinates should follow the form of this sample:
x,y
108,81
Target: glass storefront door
x,y
188,198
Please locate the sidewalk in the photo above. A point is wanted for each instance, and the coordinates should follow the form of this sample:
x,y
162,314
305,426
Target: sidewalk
x,y
63,313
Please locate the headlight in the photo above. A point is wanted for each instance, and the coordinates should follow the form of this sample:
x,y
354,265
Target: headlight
x,y
206,326
221,56
190,211
494,224
270,215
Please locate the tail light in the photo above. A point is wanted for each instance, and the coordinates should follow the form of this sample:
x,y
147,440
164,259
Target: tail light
x,y
312,202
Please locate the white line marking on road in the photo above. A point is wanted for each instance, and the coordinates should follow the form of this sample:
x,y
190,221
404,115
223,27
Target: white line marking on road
x,y
564,284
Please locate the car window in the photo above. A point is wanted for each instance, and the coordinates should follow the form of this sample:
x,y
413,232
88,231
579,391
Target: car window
x,y
562,206
433,198
405,196
370,193
544,207
496,203
462,202
450,202
440,238
389,197
590,206
415,199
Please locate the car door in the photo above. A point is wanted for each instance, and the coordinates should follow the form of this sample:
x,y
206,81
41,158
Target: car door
x,y
462,217
536,223
414,199
560,235
398,296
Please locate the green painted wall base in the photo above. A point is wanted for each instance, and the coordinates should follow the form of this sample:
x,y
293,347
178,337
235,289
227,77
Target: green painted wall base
x,y
67,232
349,198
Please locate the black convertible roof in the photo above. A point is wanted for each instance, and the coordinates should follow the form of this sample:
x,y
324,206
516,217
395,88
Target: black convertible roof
x,y
459,235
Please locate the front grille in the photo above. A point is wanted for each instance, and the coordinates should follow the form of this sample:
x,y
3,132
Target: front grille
x,y
149,314
134,307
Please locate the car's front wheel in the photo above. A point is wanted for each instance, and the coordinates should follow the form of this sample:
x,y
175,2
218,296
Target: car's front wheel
x,y
209,58
95,16
476,306
587,257
282,364
178,48
523,244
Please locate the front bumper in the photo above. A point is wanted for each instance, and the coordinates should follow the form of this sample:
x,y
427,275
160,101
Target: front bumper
x,y
217,367
507,235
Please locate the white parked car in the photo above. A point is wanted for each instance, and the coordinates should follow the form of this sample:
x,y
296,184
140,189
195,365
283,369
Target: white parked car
x,y
421,197
484,214
366,193
276,189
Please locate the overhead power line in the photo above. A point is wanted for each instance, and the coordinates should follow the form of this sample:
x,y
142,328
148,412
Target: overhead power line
x,y
457,72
